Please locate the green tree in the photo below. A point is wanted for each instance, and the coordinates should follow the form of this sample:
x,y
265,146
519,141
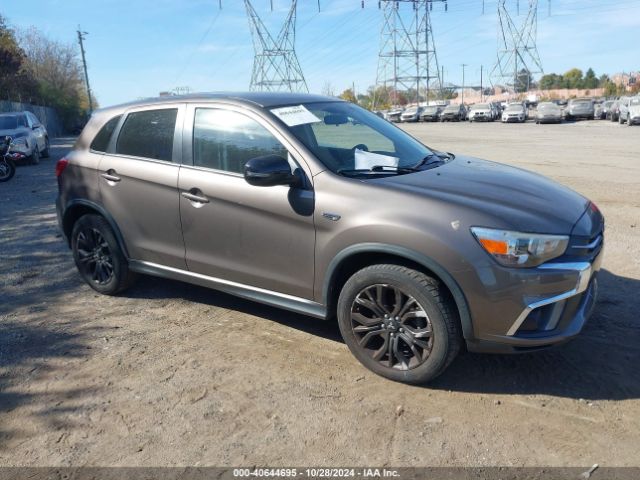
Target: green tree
x,y
551,81
349,96
573,78
590,79
15,81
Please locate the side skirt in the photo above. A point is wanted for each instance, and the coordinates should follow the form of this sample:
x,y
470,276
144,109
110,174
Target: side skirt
x,y
275,299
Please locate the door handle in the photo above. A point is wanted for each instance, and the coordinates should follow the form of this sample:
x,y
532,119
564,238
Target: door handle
x,y
195,198
110,177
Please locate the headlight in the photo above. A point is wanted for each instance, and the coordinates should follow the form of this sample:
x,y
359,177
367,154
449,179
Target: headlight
x,y
517,249
20,142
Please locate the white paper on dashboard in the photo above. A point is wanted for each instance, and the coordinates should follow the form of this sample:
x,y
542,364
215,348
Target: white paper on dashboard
x,y
293,116
367,160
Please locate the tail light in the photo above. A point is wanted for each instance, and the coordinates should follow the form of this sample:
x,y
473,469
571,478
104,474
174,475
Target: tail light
x,y
61,165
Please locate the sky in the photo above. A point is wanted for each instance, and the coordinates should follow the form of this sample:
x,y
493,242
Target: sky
x,y
138,48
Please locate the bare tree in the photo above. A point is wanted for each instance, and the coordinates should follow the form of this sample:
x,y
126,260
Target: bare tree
x,y
328,89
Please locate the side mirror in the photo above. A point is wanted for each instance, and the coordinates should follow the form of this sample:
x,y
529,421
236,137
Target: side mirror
x,y
269,171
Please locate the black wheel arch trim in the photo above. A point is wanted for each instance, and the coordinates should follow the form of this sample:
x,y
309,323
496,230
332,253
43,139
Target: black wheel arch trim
x,y
412,255
101,211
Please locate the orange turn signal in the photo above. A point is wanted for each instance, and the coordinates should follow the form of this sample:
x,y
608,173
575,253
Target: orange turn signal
x,y
495,247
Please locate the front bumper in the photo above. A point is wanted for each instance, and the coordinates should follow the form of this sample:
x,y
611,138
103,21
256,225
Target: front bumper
x,y
556,313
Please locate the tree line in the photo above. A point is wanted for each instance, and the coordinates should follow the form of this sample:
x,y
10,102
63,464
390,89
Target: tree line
x,y
575,78
38,70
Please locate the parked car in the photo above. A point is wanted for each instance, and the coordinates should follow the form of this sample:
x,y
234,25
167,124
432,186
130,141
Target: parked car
x,y
453,113
632,109
515,112
603,112
275,198
580,108
623,109
411,114
29,136
614,111
431,113
481,112
548,112
394,115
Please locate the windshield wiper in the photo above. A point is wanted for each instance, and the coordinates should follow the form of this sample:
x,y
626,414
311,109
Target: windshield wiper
x,y
434,159
378,169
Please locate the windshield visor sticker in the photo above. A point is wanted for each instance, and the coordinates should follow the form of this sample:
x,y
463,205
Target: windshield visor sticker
x,y
293,116
367,160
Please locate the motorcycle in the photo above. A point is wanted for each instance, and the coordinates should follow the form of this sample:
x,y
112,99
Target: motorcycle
x,y
8,160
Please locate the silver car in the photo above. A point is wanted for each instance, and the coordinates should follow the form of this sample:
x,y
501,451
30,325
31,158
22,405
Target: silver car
x,y
29,136
548,112
580,108
632,111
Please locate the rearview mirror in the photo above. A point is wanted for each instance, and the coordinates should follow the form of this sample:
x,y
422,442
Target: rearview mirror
x,y
336,119
269,171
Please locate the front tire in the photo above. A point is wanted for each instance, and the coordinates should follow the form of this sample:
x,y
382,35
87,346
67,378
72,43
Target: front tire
x,y
35,156
7,170
399,323
45,152
98,256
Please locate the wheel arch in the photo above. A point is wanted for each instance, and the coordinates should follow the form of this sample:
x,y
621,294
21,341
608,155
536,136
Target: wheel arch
x,y
356,257
77,208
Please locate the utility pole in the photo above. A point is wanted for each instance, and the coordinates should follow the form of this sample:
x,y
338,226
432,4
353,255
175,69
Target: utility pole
x,y
275,64
517,45
463,65
81,36
481,87
407,58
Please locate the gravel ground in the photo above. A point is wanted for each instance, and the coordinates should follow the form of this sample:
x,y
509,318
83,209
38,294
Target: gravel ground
x,y
173,374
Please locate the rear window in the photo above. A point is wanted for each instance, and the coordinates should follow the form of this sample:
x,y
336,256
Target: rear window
x,y
148,134
101,141
8,123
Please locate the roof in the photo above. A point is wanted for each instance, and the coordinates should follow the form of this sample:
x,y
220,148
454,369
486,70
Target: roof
x,y
261,99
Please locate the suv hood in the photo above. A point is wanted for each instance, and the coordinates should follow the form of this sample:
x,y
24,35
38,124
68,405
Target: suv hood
x,y
521,200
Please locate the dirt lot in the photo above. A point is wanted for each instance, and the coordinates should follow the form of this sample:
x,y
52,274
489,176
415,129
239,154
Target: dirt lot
x,y
172,374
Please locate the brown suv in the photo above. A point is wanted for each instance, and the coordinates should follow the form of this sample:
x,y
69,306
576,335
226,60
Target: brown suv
x,y
318,206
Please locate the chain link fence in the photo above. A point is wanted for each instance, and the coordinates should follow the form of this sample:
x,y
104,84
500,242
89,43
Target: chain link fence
x,y
48,116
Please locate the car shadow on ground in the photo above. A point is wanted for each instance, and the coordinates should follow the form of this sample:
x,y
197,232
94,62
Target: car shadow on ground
x,y
600,364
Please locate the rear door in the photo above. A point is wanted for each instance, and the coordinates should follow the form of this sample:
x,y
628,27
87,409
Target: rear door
x,y
257,236
139,183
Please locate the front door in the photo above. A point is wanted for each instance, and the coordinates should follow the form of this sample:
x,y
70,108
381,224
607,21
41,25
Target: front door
x,y
139,184
257,236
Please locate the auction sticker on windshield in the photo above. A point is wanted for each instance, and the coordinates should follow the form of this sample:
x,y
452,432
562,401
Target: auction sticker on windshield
x,y
293,116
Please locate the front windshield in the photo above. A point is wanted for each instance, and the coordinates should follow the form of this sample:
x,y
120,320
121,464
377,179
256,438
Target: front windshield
x,y
581,102
547,106
411,110
345,137
8,122
480,106
635,101
514,108
452,108
430,109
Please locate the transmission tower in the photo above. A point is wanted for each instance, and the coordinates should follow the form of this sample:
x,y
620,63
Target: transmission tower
x,y
517,49
407,58
275,65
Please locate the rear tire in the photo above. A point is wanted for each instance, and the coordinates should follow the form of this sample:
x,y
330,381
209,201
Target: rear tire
x,y
7,170
399,323
98,256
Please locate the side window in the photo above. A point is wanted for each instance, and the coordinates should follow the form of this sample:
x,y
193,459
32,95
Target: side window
x,y
34,120
148,134
101,140
226,140
22,121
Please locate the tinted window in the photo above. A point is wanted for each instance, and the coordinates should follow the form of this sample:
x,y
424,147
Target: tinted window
x,y
226,140
22,121
33,119
101,141
148,134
